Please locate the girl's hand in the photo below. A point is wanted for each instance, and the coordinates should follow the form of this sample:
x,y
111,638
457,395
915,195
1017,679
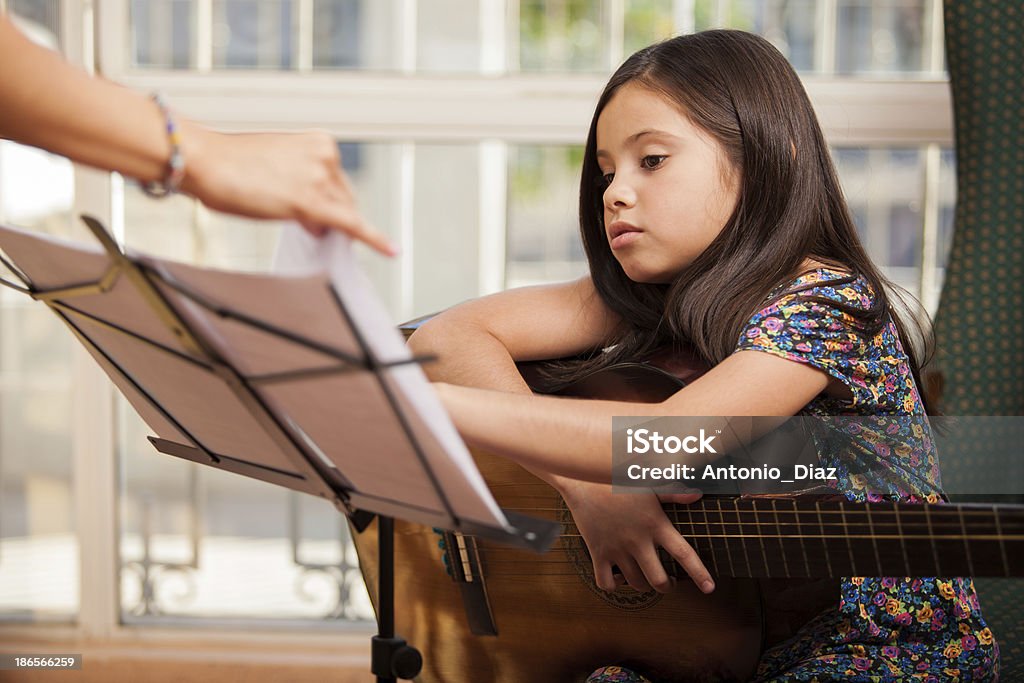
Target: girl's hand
x,y
292,176
625,530
620,529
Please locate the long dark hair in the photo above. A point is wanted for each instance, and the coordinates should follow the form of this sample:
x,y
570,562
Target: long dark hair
x,y
741,90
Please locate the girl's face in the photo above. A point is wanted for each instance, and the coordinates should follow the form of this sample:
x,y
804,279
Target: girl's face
x,y
670,188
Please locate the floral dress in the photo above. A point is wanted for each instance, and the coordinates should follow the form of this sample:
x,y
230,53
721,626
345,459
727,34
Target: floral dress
x,y
925,629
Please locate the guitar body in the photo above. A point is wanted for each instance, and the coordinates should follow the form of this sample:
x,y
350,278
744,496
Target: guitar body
x,y
554,624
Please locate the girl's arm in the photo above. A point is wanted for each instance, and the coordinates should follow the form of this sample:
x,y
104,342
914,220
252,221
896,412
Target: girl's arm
x,y
50,104
572,437
477,344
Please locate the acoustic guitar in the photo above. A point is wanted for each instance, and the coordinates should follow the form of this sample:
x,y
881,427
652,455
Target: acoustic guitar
x,y
482,612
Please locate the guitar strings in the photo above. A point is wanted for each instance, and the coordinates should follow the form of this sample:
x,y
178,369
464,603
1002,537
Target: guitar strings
x,y
837,536
908,508
857,518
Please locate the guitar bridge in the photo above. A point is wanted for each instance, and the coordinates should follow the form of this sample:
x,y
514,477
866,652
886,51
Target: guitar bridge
x,y
462,555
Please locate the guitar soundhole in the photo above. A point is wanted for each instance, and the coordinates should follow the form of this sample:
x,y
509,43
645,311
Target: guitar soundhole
x,y
576,550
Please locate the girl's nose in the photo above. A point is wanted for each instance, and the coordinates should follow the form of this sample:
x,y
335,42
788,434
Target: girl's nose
x,y
619,194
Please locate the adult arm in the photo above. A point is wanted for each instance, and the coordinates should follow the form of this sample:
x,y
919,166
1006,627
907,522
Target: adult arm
x,y
48,103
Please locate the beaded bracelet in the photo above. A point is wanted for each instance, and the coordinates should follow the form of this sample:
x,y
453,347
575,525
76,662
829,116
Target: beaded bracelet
x,y
176,165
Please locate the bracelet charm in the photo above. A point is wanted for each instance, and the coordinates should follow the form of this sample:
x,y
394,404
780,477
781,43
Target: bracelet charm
x,y
175,165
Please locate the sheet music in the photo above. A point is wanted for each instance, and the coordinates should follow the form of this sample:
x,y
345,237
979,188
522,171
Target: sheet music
x,y
300,252
327,405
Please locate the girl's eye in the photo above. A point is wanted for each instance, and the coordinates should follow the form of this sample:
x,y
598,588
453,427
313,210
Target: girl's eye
x,y
606,179
652,161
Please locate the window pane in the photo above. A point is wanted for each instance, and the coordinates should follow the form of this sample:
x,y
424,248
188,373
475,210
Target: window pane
x,y
561,35
446,243
448,46
163,33
39,19
375,171
253,34
647,22
947,202
947,207
884,191
543,238
36,189
791,25
356,34
236,243
38,548
197,542
880,36
161,227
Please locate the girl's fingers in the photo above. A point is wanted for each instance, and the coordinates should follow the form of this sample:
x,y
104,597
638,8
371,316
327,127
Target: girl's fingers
x,y
605,579
682,551
687,558
680,498
634,575
654,571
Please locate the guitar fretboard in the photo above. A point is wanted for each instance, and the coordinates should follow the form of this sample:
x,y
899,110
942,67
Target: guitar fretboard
x,y
787,537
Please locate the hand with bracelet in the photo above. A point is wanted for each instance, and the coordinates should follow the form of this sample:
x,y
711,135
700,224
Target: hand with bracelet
x,y
295,176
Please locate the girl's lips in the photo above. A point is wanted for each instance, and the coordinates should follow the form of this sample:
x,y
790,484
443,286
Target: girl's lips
x,y
625,239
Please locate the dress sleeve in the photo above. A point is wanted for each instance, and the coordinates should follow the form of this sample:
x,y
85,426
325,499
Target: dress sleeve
x,y
802,327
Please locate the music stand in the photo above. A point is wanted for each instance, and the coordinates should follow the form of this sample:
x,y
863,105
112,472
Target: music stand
x,y
209,360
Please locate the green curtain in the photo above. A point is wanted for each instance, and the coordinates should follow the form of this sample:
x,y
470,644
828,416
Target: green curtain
x,y
980,322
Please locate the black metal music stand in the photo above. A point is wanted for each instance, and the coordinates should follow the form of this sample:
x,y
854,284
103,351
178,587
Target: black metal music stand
x,y
186,330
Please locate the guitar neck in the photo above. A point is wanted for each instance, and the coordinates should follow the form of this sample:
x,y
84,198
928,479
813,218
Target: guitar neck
x,y
789,537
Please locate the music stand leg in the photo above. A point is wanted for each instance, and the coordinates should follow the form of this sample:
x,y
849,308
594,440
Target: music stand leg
x,y
390,656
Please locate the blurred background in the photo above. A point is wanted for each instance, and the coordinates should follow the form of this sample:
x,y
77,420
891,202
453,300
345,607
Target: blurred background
x,y
461,124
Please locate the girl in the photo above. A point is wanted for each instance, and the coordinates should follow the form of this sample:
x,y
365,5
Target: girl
x,y
712,217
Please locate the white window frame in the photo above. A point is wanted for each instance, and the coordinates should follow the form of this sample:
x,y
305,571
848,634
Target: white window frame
x,y
494,108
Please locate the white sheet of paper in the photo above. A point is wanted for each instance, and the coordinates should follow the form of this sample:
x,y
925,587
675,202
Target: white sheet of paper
x,y
298,253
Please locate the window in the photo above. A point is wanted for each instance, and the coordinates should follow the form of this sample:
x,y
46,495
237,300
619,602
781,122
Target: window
x,y
460,122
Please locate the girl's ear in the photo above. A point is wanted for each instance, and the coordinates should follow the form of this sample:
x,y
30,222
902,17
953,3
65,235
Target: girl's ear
x,y
792,147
